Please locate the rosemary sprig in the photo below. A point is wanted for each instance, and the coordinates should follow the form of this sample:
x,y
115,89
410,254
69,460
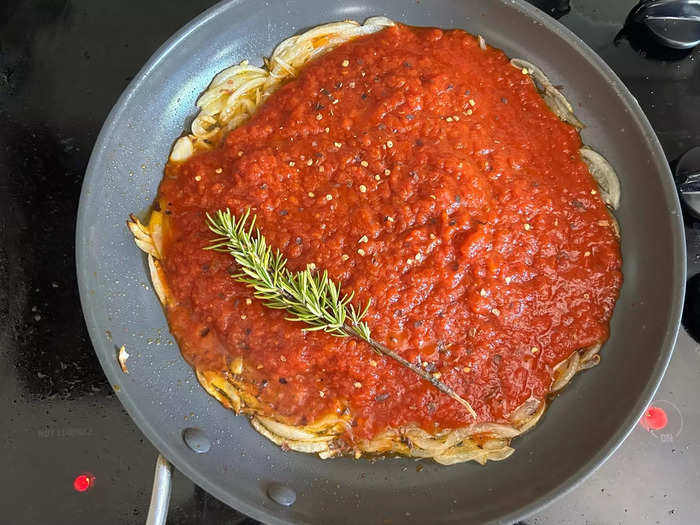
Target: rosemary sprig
x,y
309,297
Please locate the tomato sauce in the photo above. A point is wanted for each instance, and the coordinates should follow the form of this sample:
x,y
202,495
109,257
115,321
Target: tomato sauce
x,y
428,175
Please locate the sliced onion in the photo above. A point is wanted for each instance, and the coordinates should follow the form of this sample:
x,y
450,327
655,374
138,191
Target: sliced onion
x,y
604,175
299,446
156,271
142,235
523,415
182,149
220,389
495,429
565,371
529,423
552,96
593,361
589,352
291,432
615,226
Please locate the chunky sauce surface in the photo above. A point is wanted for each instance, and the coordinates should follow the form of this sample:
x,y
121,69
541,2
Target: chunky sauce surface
x,y
429,175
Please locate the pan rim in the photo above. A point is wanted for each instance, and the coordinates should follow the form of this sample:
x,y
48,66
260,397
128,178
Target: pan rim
x,y
566,485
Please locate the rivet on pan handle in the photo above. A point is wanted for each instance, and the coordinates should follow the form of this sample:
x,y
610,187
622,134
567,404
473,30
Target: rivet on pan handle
x,y
160,495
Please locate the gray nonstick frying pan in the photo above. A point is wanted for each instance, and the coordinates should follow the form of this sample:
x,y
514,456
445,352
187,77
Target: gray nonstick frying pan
x,y
222,452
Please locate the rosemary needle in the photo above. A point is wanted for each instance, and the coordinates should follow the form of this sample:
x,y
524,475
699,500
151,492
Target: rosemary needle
x,y
307,296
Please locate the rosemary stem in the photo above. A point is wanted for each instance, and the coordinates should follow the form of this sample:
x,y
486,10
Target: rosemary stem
x,y
379,347
311,298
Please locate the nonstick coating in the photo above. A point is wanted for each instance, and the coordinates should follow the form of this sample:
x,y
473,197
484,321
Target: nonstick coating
x,y
584,425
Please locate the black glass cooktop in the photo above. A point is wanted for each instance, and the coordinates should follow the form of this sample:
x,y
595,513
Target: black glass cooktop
x,y
63,63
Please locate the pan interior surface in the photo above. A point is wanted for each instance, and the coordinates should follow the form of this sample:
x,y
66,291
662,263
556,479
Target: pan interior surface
x,y
582,427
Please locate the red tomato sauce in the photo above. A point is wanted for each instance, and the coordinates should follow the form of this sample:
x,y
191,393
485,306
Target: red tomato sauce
x,y
428,175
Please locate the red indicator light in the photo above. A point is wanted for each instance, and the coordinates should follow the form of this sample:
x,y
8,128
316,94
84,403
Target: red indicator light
x,y
654,418
83,482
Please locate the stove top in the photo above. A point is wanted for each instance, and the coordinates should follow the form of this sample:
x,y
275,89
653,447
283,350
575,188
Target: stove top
x,y
63,63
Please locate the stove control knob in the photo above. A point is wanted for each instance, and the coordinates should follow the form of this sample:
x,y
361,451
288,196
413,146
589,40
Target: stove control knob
x,y
687,175
673,23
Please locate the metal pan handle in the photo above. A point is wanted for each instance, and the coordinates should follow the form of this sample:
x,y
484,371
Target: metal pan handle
x,y
160,495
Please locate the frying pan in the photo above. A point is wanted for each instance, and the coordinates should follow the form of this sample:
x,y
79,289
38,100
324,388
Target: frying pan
x,y
582,427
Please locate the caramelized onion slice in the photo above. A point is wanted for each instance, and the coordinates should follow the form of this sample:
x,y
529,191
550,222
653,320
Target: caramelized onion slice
x,y
551,95
604,175
310,447
565,371
599,167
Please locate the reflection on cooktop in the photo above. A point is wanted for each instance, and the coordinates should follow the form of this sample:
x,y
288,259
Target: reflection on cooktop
x,y
554,8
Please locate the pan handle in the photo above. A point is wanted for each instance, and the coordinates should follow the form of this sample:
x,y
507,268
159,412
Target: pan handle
x,y
160,495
